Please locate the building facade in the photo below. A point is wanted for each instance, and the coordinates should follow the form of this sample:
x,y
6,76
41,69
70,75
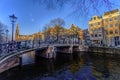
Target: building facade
x,y
111,22
75,34
86,37
54,34
105,30
61,34
96,30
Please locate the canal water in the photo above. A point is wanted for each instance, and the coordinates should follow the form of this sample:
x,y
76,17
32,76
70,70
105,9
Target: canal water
x,y
76,66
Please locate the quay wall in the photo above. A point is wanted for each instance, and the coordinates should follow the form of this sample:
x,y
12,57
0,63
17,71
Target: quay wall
x,y
104,50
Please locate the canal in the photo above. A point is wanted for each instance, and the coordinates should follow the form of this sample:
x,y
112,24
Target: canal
x,y
76,66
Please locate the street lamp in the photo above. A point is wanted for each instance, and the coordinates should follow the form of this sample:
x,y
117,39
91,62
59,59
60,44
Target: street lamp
x,y
13,19
6,35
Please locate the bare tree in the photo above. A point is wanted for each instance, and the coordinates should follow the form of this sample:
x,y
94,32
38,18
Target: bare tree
x,y
2,29
78,6
46,31
58,24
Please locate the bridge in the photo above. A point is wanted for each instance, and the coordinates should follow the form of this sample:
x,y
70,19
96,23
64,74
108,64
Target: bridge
x,y
10,53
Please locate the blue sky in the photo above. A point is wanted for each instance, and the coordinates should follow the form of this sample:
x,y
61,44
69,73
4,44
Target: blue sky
x,y
33,16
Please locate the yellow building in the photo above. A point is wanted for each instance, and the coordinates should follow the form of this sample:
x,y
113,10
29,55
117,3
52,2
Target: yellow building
x,y
60,31
106,29
75,30
36,36
96,30
111,22
51,34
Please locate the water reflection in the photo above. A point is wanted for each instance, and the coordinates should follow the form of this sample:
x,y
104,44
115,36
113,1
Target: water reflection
x,y
28,58
67,67
106,68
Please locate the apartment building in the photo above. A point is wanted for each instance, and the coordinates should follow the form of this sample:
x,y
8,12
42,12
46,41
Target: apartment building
x,y
105,30
96,30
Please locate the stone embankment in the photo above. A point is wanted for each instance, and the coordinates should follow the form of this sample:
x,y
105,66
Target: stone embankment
x,y
104,50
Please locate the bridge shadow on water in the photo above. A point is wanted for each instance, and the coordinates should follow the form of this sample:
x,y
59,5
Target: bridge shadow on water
x,y
76,66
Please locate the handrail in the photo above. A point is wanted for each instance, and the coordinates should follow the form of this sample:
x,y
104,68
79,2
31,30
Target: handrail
x,y
13,48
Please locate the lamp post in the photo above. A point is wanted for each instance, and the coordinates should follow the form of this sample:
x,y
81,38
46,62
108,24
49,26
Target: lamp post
x,y
6,35
13,19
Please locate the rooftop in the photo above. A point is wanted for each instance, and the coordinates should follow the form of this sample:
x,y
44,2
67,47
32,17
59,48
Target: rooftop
x,y
112,11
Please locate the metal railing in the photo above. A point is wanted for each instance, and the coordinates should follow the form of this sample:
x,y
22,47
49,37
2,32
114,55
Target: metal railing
x,y
12,47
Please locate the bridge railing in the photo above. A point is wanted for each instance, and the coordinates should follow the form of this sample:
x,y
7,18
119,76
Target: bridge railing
x,y
11,47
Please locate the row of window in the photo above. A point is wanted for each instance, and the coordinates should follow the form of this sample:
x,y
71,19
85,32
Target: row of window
x,y
111,19
94,18
95,24
106,20
111,25
96,35
99,35
116,38
96,30
111,32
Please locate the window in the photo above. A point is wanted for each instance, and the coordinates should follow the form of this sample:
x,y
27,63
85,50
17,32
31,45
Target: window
x,y
98,23
95,30
100,35
99,29
118,42
116,24
91,25
110,19
116,38
111,32
115,18
95,35
94,18
111,25
91,35
116,31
